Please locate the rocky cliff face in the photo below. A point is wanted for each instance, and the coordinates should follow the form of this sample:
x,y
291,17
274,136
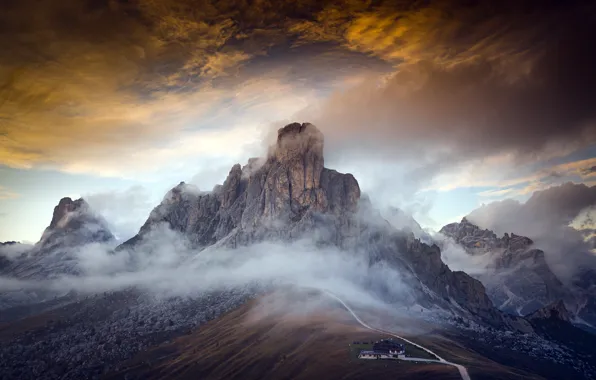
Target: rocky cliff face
x,y
278,197
74,223
517,277
290,194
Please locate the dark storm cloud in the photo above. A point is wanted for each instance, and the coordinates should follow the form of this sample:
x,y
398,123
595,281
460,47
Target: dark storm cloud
x,y
84,77
484,106
470,85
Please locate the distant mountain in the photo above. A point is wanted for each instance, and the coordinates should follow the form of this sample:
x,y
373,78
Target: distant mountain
x,y
74,223
517,276
73,226
559,220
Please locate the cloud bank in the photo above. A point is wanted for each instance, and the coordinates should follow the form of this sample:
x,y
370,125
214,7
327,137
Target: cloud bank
x,y
165,266
558,219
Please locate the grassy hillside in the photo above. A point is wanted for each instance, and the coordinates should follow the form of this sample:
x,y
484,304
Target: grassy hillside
x,y
249,343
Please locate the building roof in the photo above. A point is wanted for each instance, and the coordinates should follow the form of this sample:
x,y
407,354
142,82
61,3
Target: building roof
x,y
387,345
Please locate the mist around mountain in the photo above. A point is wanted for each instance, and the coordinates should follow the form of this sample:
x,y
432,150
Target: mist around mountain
x,y
517,277
560,221
278,222
309,219
552,261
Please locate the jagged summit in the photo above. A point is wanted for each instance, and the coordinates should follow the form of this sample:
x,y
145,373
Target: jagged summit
x,y
297,139
73,222
73,225
479,240
63,208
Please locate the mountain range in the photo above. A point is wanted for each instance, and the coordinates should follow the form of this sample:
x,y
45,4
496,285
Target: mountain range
x,y
78,288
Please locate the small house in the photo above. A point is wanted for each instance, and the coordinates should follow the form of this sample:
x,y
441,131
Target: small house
x,y
384,349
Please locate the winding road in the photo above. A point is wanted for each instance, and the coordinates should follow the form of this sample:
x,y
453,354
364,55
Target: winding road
x,y
462,370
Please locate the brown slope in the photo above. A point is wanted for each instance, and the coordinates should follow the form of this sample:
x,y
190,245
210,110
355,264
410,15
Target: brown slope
x,y
244,345
253,343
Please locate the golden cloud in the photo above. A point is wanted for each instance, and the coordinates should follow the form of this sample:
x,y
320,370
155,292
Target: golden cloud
x,y
84,83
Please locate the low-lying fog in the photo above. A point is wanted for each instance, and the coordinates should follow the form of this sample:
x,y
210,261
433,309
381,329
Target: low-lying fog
x,y
165,266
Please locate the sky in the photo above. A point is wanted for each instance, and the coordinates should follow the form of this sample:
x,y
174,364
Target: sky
x,y
436,107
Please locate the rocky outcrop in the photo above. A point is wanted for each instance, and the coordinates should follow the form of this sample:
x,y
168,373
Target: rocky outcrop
x,y
290,194
555,310
517,276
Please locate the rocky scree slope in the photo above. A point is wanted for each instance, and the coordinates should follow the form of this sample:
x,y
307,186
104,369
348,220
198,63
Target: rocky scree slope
x,y
289,194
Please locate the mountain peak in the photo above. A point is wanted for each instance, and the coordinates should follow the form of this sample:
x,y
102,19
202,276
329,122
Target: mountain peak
x,y
65,206
74,222
299,141
295,130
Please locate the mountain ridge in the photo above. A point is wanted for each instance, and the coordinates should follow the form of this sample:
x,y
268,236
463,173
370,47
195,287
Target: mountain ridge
x,y
518,277
288,195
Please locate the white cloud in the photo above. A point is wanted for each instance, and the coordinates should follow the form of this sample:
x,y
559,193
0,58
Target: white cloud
x,y
165,266
125,211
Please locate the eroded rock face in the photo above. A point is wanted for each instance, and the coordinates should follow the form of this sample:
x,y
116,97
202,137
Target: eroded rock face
x,y
517,277
290,193
74,223
278,196
451,286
